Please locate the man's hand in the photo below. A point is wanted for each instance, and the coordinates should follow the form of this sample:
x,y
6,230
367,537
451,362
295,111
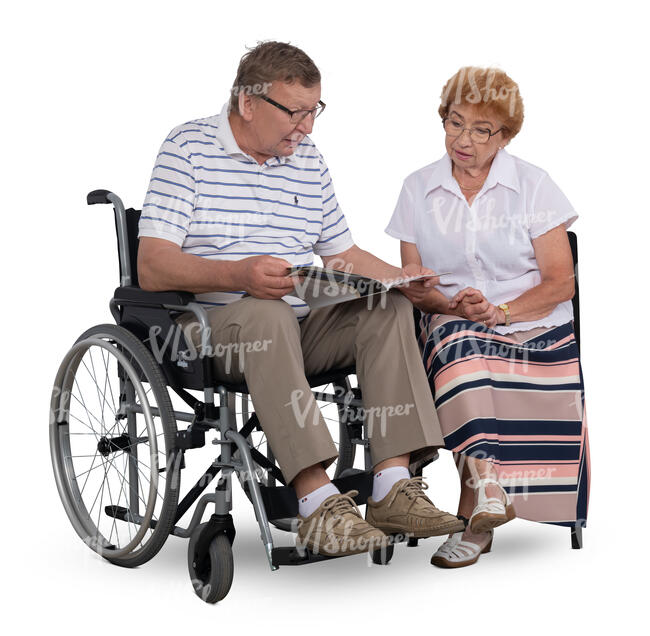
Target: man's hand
x,y
265,277
471,304
416,291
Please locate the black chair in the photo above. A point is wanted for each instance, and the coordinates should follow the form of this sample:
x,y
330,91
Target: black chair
x,y
576,531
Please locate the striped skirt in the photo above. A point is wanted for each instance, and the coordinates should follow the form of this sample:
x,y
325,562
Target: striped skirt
x,y
515,400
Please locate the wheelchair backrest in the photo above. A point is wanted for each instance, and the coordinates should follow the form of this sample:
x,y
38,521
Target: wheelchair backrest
x,y
132,220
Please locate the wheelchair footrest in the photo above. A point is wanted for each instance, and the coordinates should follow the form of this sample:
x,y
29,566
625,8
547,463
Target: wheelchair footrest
x,y
280,502
124,514
293,556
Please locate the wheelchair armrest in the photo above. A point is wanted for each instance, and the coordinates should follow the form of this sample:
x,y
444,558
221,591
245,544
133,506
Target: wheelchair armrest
x,y
135,296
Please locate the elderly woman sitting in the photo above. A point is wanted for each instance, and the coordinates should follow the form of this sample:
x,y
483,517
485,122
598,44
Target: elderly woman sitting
x,y
497,335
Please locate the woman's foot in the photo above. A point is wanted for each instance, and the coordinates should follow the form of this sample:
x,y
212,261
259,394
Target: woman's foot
x,y
493,507
462,549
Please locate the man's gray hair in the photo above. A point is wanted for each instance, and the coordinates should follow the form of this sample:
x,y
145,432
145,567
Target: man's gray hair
x,y
269,62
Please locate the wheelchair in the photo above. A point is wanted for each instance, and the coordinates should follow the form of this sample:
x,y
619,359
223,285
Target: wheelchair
x,y
118,451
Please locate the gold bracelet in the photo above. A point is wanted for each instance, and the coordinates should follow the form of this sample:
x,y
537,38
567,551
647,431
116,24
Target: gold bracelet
x,y
506,310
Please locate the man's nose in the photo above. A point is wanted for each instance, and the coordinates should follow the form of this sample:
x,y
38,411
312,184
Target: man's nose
x,y
306,125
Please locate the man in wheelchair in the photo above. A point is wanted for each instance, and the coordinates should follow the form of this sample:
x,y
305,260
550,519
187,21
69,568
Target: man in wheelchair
x,y
234,200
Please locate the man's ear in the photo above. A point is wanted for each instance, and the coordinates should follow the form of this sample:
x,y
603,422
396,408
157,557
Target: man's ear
x,y
245,106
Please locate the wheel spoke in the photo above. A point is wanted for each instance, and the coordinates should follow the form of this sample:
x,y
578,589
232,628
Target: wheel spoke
x,y
122,474
110,499
94,379
102,400
87,471
139,490
88,474
128,525
94,432
101,497
145,476
118,421
108,379
71,456
83,403
101,395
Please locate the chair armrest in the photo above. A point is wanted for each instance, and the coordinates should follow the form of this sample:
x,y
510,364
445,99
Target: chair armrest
x,y
136,296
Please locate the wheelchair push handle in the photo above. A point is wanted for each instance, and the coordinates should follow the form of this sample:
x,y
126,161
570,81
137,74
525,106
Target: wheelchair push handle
x,y
106,196
98,196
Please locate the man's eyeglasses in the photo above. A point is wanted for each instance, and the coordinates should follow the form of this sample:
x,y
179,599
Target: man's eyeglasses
x,y
479,135
296,116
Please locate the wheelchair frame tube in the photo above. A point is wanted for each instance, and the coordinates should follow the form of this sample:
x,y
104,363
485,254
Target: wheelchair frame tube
x,y
123,245
256,496
228,434
129,391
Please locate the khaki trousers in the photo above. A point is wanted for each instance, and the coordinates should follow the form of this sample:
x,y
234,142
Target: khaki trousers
x,y
263,343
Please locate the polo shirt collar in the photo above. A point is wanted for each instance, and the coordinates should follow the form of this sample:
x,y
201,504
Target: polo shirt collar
x,y
503,171
229,143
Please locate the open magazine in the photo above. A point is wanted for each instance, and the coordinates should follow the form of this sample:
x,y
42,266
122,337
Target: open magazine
x,y
320,286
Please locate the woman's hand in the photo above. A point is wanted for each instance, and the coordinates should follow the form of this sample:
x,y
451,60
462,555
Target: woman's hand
x,y
471,304
417,291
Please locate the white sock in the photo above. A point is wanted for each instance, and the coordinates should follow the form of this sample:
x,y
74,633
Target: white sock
x,y
313,499
385,479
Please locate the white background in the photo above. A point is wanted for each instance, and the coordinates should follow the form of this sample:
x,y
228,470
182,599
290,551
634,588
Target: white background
x,y
90,91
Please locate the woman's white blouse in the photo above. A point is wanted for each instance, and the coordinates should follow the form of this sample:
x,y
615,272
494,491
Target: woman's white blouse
x,y
487,245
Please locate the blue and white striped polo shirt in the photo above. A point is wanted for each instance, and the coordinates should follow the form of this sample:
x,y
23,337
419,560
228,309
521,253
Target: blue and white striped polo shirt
x,y
213,200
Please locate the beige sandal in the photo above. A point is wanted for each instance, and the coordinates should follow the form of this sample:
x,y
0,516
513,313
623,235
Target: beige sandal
x,y
456,553
490,512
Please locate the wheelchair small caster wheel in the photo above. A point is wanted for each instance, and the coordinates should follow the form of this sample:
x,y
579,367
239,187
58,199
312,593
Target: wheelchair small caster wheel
x,y
212,577
383,555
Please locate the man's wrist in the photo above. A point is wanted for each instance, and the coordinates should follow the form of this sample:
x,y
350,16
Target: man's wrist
x,y
229,274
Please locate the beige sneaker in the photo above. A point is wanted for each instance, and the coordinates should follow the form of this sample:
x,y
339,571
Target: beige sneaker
x,y
336,528
407,510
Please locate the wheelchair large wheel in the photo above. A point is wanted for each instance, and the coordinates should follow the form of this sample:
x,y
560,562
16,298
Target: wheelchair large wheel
x,y
113,446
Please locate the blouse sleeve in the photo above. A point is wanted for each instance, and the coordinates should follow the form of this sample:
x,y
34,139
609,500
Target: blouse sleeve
x,y
549,209
402,223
